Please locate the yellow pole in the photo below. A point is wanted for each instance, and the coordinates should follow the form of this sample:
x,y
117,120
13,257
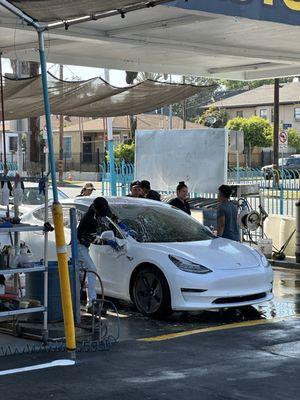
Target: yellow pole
x,y
62,257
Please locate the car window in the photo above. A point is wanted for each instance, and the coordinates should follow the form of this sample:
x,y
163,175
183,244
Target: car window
x,y
31,196
159,224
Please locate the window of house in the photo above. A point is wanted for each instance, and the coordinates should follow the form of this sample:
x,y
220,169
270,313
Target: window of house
x,y
240,114
68,147
263,112
297,113
13,144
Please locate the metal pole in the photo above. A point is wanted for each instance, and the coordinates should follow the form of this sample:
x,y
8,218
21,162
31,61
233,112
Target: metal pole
x,y
170,111
61,134
74,247
297,254
276,122
57,211
110,145
3,116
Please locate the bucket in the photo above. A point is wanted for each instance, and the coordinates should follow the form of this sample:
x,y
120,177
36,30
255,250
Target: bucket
x,y
35,290
265,246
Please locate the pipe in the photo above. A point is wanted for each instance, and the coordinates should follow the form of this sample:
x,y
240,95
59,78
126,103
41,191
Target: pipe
x,y
110,145
297,254
57,211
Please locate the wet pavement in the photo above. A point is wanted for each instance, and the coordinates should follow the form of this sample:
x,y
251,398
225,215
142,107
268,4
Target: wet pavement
x,y
249,353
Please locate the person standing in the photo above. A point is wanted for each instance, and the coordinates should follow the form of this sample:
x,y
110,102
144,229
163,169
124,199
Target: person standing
x,y
227,215
87,190
148,192
180,201
86,235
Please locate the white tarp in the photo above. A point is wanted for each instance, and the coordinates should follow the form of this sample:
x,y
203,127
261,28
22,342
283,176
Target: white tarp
x,y
196,156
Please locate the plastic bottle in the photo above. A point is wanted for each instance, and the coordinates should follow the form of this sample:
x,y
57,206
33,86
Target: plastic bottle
x,y
5,195
18,193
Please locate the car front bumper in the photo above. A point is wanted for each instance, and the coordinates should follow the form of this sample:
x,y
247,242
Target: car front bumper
x,y
223,289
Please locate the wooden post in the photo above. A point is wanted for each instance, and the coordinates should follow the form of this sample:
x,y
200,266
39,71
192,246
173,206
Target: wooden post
x,y
276,123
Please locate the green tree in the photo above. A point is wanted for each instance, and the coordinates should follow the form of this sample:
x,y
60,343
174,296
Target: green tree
x,y
294,139
124,152
231,85
213,117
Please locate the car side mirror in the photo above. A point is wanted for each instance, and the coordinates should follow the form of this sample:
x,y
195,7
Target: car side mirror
x,y
107,235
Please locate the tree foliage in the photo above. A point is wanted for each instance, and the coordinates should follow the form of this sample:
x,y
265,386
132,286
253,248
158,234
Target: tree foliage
x,y
230,85
220,115
124,152
294,139
257,131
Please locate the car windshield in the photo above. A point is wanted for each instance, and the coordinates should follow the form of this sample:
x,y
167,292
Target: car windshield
x,y
31,196
293,160
157,224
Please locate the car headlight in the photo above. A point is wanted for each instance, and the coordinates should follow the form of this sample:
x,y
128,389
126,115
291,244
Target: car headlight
x,y
264,261
189,266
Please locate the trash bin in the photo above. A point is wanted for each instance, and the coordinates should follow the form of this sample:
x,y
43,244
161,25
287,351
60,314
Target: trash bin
x,y
35,290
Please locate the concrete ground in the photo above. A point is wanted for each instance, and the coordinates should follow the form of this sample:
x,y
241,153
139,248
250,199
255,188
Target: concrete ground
x,y
237,354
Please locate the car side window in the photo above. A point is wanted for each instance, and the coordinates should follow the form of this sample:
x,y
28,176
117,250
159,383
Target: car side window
x,y
40,214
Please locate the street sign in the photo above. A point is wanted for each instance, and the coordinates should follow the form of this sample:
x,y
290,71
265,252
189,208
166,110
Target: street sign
x,y
283,139
287,126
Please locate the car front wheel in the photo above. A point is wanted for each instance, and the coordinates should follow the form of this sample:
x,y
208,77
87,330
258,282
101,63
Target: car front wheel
x,y
151,293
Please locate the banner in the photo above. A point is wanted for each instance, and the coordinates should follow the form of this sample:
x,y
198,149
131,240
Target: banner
x,y
282,11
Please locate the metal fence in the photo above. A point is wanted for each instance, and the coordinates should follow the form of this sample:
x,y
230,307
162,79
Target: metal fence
x,y
279,188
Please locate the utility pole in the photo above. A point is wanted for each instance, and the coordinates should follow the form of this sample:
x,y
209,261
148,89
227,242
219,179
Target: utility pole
x,y
276,123
61,135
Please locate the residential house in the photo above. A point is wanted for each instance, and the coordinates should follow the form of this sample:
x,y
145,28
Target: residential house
x,y
260,102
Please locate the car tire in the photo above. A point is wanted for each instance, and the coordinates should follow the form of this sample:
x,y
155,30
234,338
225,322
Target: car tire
x,y
151,293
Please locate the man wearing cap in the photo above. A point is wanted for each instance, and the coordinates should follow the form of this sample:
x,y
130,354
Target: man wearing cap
x,y
86,235
136,190
87,190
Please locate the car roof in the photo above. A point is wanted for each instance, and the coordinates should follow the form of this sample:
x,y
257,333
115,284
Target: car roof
x,y
114,201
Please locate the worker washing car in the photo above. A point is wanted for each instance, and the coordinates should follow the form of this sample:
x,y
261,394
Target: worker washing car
x,y
181,200
227,215
87,235
87,190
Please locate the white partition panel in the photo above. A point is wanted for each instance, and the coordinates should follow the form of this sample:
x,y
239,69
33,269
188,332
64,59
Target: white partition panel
x,y
196,156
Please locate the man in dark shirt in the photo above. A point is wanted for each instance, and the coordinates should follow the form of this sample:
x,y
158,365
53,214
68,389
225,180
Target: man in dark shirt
x,y
148,192
227,215
86,235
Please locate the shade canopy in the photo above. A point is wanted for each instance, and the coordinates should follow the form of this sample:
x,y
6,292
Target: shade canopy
x,y
233,39
58,10
92,98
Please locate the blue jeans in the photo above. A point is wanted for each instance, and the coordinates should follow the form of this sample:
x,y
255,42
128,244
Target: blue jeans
x,y
86,262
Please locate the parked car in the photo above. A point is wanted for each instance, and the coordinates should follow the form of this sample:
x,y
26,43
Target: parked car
x,y
291,166
32,198
166,259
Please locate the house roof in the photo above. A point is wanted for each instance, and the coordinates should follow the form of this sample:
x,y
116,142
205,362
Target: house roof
x,y
144,121
289,93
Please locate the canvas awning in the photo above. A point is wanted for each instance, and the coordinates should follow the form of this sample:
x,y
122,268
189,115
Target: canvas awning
x,y
23,98
51,11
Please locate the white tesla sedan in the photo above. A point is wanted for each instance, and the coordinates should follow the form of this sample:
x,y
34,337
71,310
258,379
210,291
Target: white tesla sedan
x,y
167,260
